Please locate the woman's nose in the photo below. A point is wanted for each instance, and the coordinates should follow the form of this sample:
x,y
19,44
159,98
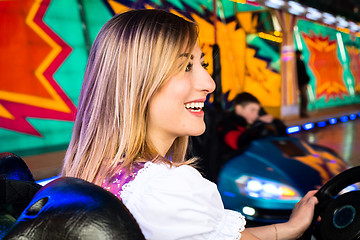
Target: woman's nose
x,y
207,84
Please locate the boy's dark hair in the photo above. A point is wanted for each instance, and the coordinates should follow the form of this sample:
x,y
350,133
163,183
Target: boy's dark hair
x,y
244,99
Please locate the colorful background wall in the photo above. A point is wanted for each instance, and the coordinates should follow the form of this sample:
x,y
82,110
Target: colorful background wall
x,y
333,62
44,46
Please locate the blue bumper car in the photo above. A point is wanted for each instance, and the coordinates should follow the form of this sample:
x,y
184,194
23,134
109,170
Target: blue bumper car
x,y
266,181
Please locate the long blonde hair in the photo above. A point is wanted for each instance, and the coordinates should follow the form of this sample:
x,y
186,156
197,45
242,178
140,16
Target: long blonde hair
x,y
134,54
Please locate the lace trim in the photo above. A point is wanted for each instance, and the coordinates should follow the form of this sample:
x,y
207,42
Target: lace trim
x,y
126,189
230,227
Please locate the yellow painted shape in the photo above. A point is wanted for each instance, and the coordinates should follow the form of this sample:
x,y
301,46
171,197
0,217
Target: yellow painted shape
x,y
5,113
248,23
117,7
261,81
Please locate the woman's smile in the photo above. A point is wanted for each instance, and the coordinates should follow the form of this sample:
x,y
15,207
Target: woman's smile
x,y
195,107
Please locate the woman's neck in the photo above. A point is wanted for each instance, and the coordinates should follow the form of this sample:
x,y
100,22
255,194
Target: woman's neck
x,y
161,143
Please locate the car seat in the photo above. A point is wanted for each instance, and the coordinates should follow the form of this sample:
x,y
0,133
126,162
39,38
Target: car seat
x,y
17,188
71,208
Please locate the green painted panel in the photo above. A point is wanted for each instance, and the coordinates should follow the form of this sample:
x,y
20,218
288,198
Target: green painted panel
x,y
318,41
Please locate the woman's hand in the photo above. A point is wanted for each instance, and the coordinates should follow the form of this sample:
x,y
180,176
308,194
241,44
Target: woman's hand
x,y
303,213
300,220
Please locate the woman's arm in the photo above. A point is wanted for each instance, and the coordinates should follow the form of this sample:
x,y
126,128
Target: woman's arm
x,y
274,231
247,235
300,220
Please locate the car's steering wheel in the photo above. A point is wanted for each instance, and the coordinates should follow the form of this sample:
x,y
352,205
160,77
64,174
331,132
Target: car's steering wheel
x,y
340,214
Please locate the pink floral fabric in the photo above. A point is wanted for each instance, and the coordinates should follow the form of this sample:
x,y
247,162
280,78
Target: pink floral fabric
x,y
115,183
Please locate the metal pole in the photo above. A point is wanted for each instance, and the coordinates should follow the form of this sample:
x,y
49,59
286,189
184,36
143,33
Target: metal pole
x,y
215,19
84,25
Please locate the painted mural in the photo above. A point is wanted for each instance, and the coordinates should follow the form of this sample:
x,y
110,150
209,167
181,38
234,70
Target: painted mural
x,y
44,46
42,61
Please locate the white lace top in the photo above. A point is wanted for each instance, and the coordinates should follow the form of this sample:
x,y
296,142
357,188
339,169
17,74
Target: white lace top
x,y
178,203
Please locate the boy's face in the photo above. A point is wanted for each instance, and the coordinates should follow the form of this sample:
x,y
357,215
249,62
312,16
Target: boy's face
x,y
250,111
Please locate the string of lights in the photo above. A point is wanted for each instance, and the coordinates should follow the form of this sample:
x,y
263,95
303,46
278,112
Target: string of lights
x,y
323,123
295,8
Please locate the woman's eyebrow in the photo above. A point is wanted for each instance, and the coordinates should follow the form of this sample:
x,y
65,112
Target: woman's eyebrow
x,y
192,56
187,55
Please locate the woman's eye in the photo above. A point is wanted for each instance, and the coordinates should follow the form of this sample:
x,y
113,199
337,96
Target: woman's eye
x,y
205,65
188,67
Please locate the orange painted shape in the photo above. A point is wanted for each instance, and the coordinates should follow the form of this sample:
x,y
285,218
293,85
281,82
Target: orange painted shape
x,y
354,54
21,49
326,66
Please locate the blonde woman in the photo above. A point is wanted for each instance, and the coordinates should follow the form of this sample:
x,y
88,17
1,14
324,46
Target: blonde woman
x,y
144,88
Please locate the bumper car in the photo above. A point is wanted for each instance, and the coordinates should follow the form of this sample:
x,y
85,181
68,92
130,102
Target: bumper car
x,y
266,181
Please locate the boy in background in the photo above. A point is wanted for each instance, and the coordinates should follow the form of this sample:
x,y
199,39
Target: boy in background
x,y
243,124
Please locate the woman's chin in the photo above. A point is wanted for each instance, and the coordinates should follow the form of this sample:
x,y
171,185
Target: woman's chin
x,y
198,131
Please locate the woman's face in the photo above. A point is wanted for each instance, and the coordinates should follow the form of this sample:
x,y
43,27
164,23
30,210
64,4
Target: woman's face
x,y
176,109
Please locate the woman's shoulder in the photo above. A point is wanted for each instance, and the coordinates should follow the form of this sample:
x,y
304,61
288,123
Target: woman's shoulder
x,y
161,169
182,177
161,173
161,177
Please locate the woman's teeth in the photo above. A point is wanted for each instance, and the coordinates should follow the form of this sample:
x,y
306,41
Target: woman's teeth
x,y
194,106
